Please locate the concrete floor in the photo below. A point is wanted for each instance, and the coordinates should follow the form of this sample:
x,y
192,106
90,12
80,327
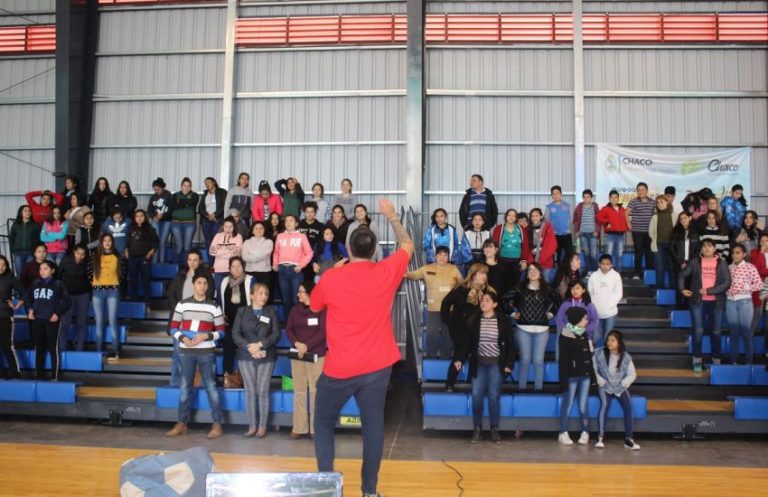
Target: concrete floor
x,y
404,440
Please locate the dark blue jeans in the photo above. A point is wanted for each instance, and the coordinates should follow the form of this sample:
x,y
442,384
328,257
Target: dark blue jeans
x,y
183,234
706,311
370,391
290,281
589,245
140,268
78,311
206,362
663,261
210,228
19,260
580,386
626,406
163,229
487,382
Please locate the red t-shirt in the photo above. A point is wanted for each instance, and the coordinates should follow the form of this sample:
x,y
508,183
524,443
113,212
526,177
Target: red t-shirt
x,y
358,298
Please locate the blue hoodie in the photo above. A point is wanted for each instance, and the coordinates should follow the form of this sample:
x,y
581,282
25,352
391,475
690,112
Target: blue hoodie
x,y
47,297
119,232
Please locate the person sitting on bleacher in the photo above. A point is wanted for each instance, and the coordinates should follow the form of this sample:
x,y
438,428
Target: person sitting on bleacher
x,y
196,324
9,285
490,350
440,278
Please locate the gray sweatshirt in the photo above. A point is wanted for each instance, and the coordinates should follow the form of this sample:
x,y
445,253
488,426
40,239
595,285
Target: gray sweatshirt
x,y
257,254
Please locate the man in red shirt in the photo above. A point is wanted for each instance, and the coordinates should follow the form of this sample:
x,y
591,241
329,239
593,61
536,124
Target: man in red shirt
x,y
357,298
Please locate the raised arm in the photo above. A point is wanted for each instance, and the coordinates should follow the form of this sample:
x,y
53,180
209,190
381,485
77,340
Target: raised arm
x,y
387,208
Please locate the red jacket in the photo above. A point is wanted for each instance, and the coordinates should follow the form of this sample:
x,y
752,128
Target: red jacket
x,y
275,203
525,254
577,218
617,219
548,246
758,259
40,213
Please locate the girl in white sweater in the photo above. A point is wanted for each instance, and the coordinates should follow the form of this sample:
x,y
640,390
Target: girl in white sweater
x,y
606,290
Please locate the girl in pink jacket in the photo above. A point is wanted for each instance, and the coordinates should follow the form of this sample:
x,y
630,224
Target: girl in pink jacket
x,y
292,253
225,245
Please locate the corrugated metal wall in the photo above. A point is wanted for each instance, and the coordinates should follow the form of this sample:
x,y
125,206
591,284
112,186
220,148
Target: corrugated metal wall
x,y
27,91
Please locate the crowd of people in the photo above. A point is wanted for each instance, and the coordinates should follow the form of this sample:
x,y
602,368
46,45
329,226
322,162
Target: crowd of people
x,y
492,286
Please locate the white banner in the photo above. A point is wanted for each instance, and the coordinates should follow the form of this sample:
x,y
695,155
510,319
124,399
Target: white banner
x,y
621,169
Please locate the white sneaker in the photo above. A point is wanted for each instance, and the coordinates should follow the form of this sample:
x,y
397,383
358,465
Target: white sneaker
x,y
564,439
584,438
599,444
630,444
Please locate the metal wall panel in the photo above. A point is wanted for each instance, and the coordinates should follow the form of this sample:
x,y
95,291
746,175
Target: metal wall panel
x,y
324,9
162,74
320,70
20,78
507,119
27,6
164,122
20,176
677,120
162,30
320,119
677,70
494,69
27,125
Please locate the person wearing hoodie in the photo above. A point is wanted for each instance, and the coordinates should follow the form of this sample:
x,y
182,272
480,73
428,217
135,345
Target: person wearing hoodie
x,y
734,208
183,218
42,209
613,219
73,272
46,300
660,231
24,235
579,297
140,247
54,235
291,255
240,197
576,372
265,203
478,199
211,209
542,243
225,245
705,282
293,195
99,200
159,214
606,291
10,288
124,200
118,226
89,233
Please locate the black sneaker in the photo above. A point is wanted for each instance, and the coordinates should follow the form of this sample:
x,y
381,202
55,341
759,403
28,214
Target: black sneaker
x,y
475,435
495,435
630,444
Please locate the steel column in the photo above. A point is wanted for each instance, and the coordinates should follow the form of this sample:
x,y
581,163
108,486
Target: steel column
x,y
415,105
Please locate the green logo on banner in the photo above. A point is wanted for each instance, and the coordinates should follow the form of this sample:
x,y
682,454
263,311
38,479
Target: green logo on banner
x,y
690,166
611,164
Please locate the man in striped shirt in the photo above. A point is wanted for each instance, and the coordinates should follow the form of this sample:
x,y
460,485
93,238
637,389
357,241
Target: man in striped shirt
x,y
196,323
639,213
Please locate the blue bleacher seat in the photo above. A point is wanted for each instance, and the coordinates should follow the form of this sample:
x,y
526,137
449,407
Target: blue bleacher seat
x,y
59,392
446,404
535,406
90,335
18,390
649,277
284,342
164,271
706,344
722,374
551,372
437,369
73,360
758,345
750,408
593,406
506,405
282,366
286,403
127,310
230,399
665,296
276,403
156,290
552,343
628,260
350,408
759,376
168,398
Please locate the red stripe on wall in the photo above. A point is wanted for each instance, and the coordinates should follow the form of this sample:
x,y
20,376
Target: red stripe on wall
x,y
36,38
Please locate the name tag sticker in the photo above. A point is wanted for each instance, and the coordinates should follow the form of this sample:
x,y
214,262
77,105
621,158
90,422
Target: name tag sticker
x,y
264,319
312,322
444,289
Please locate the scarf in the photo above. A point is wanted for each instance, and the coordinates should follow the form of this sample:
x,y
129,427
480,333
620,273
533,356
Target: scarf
x,y
576,330
234,286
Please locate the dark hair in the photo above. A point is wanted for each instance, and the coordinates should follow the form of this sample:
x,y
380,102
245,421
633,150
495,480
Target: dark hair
x,y
19,219
490,242
230,219
642,183
98,193
80,246
341,207
506,213
49,217
158,182
263,186
322,188
670,190
308,286
320,247
737,188
622,348
75,181
586,297
78,197
239,259
89,213
587,192
362,243
708,241
257,223
442,249
199,275
564,271
294,216
194,251
52,265
763,234
556,187
606,257
309,205
129,193
280,224
144,227
679,231
38,245
186,179
99,252
367,217
215,183
522,215
348,181
478,176
536,209
543,290
739,246
7,264
116,210
434,214
490,293
239,176
613,192
201,269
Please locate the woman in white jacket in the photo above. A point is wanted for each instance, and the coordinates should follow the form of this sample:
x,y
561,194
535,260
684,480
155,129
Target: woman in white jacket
x,y
257,254
606,290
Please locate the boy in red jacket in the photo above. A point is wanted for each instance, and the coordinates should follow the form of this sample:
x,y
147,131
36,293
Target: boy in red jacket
x,y
613,219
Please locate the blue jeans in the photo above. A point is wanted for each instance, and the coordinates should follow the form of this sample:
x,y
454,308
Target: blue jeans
x,y
532,347
290,281
603,327
487,382
19,260
207,364
210,228
140,268
183,233
614,246
574,384
706,310
112,298
163,229
589,245
217,279
175,365
370,392
739,314
663,261
626,406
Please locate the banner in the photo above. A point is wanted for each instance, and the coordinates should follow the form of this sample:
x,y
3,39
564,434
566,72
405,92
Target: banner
x,y
621,169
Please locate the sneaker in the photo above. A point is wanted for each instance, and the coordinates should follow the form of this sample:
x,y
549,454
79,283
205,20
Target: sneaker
x,y
630,444
697,368
178,429
599,444
635,277
564,439
113,357
495,435
716,360
475,435
584,438
373,495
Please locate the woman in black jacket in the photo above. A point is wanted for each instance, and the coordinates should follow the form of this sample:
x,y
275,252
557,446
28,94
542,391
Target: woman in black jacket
x,y
74,274
576,372
256,332
211,209
458,307
124,200
99,200
491,353
684,246
139,249
9,286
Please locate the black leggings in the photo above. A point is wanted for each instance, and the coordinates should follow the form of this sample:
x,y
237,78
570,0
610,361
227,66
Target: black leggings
x,y
229,349
45,336
6,346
